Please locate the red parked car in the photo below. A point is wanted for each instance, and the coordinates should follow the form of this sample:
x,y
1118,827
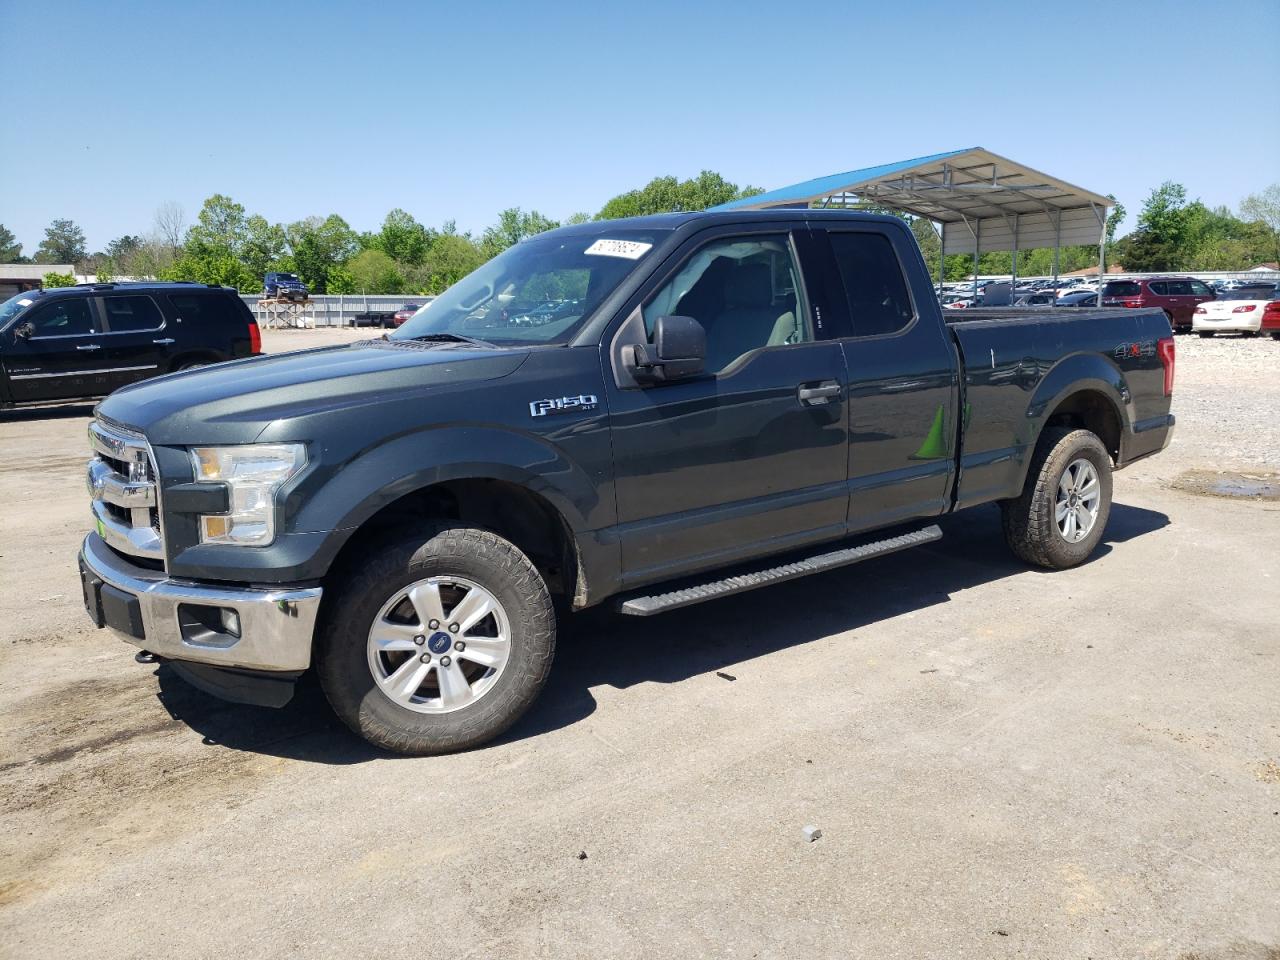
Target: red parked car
x,y
1178,297
405,313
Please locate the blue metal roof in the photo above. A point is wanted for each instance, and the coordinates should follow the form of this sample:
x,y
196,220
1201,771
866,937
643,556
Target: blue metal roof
x,y
835,182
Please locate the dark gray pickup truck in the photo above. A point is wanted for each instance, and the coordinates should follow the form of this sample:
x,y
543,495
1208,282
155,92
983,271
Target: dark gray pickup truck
x,y
657,412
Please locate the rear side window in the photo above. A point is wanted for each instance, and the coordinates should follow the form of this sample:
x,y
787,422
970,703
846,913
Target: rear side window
x,y
1179,288
132,313
206,308
1159,288
873,283
65,317
1121,288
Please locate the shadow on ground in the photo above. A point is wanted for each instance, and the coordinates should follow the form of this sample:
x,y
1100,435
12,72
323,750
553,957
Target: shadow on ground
x,y
602,647
65,411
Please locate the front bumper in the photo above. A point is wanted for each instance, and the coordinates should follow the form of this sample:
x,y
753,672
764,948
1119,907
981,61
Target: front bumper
x,y
161,615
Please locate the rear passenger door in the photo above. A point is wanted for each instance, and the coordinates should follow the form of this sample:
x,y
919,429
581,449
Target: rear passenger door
x,y
1182,302
137,343
903,377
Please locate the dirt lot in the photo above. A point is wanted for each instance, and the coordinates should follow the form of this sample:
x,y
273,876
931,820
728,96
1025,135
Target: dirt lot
x,y
1004,763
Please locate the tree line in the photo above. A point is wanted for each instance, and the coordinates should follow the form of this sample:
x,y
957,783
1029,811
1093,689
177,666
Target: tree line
x,y
227,245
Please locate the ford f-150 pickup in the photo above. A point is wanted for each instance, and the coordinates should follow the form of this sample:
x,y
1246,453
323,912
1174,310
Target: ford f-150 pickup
x,y
653,412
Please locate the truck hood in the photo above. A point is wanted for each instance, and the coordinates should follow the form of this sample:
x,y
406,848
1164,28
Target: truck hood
x,y
234,402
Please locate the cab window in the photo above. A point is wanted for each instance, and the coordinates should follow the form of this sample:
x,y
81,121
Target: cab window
x,y
744,291
878,300
69,317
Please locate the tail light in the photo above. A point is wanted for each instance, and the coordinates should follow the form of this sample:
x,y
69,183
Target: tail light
x,y
1129,303
1271,314
1245,308
255,338
1165,349
1201,310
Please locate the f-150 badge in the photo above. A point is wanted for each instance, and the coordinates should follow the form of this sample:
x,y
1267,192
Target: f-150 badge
x,y
583,401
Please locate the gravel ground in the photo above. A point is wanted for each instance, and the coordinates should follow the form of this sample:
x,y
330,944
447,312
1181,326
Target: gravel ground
x,y
1003,763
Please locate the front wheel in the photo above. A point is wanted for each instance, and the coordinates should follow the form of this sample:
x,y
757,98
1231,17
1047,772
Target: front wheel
x,y
1059,519
439,642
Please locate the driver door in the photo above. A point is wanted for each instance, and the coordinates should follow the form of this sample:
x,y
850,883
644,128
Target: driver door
x,y
751,456
62,357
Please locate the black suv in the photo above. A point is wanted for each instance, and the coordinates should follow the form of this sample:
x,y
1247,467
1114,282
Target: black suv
x,y
87,340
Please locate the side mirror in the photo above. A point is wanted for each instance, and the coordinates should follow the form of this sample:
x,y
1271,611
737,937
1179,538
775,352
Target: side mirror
x,y
24,331
679,350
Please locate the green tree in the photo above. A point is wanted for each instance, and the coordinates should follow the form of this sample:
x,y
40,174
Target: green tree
x,y
451,258
340,281
319,244
10,248
375,272
665,194
401,238
263,246
1114,218
1264,208
51,280
63,243
220,225
123,247
513,226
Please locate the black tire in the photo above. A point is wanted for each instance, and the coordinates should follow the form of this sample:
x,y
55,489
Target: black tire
x,y
1029,523
442,551
1248,334
1205,334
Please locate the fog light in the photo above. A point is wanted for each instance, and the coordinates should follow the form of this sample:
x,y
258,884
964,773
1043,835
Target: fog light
x,y
208,626
230,622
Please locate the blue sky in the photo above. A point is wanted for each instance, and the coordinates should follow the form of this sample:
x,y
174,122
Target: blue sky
x,y
457,110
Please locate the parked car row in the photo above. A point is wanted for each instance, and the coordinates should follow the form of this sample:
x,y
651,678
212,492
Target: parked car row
x,y
1226,306
1247,310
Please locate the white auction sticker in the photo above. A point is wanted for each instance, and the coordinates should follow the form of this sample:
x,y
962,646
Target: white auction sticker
x,y
630,249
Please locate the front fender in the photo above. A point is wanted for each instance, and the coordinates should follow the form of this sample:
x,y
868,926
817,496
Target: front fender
x,y
384,473
341,490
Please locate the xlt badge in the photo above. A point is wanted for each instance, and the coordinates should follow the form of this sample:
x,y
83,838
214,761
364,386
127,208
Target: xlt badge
x,y
583,401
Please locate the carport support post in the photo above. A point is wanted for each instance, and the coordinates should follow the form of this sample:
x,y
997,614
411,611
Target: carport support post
x,y
942,255
977,250
1057,244
1013,282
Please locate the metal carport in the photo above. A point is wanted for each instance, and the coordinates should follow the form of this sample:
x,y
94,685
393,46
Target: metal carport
x,y
979,199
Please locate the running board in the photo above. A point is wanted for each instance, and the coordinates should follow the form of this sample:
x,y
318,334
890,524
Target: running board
x,y
662,602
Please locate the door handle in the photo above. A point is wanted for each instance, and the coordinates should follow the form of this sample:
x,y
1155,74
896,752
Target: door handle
x,y
89,346
164,341
819,393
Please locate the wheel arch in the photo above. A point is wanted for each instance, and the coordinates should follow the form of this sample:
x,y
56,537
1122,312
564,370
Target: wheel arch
x,y
511,509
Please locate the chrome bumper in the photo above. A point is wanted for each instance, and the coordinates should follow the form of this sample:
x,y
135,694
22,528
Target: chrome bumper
x,y
276,625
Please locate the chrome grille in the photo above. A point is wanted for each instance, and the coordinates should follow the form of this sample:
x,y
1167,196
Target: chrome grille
x,y
122,485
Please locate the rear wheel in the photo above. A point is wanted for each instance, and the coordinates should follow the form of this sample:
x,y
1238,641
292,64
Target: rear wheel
x,y
1205,334
1060,517
440,642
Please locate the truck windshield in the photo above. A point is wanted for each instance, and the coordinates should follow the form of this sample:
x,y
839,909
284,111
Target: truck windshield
x,y
538,291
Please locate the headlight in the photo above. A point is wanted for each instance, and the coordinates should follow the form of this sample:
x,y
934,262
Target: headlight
x,y
253,473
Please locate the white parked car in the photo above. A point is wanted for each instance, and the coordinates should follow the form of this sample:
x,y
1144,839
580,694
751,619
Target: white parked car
x,y
1248,310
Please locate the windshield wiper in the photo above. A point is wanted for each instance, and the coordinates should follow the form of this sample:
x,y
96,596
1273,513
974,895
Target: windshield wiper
x,y
449,338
